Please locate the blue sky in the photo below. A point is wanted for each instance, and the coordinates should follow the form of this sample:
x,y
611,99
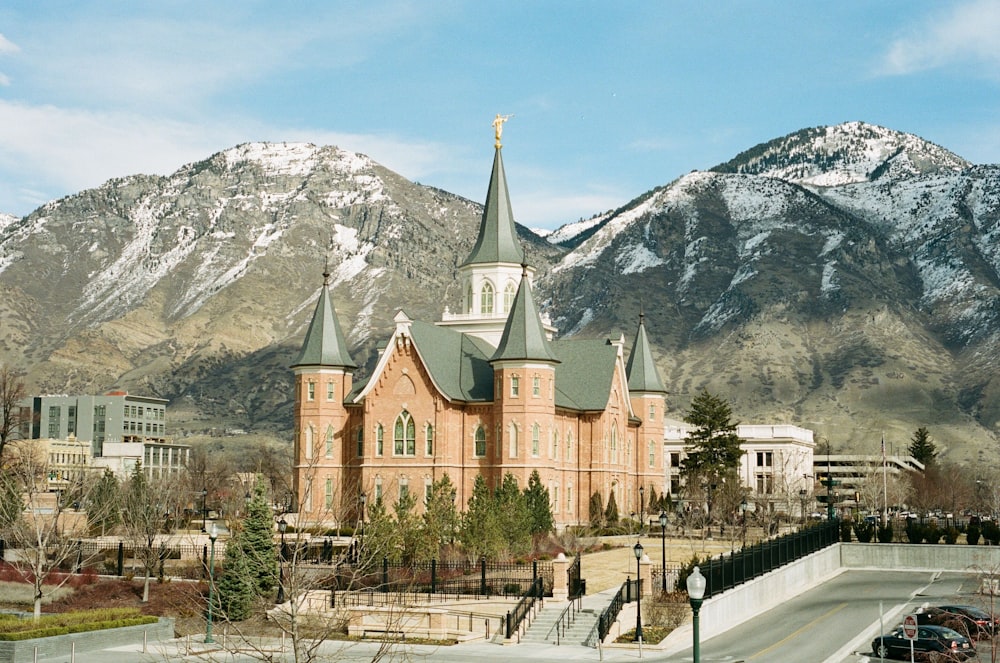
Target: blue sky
x,y
608,99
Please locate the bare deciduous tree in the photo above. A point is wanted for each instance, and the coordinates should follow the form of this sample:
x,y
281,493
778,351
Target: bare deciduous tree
x,y
13,417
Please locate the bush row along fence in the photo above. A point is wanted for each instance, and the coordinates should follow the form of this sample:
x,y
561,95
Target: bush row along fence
x,y
466,578
737,568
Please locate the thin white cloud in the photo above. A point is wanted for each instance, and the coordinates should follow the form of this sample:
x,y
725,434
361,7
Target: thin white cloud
x,y
62,151
965,33
7,46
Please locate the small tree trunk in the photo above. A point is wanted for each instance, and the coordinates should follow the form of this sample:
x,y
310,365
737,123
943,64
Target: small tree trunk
x,y
145,588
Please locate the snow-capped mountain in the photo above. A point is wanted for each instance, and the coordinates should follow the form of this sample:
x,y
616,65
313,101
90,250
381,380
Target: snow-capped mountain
x,y
843,278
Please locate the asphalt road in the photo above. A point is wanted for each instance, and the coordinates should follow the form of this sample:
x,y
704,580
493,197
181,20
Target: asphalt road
x,y
831,623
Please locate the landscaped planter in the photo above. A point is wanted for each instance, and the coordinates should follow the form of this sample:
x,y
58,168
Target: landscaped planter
x,y
24,651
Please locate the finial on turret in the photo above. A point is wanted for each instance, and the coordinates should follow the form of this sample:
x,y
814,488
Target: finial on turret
x,y
326,272
498,127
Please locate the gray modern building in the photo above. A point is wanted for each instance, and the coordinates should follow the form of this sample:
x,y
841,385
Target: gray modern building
x,y
115,417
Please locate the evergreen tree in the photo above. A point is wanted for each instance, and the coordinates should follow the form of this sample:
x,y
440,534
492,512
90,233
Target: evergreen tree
x,y
611,513
596,510
440,519
654,501
514,531
714,450
410,531
382,538
480,531
921,446
236,591
104,511
257,541
536,497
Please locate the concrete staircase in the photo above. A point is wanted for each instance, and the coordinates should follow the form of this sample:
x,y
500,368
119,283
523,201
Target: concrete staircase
x,y
543,631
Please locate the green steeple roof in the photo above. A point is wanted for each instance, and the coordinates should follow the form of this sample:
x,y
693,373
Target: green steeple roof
x,y
523,336
641,369
325,344
497,241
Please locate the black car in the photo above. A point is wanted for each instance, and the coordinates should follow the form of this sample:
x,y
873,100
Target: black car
x,y
931,639
976,622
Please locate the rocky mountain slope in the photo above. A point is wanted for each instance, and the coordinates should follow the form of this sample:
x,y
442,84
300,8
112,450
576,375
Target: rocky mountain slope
x,y
841,278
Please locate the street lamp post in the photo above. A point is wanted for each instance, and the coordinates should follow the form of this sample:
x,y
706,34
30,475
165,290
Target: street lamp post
x,y
663,549
696,595
212,536
637,549
282,526
204,509
642,507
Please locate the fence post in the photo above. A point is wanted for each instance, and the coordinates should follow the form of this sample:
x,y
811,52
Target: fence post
x,y
508,626
79,556
121,558
534,569
482,575
433,576
385,574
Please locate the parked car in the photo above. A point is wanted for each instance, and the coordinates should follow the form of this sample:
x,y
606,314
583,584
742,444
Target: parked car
x,y
931,639
976,622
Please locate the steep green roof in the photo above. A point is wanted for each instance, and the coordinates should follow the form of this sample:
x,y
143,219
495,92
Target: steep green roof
x,y
583,379
641,369
458,363
523,336
325,344
497,241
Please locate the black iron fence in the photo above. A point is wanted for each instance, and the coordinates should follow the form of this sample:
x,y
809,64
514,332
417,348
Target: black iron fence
x,y
481,578
626,594
574,581
737,568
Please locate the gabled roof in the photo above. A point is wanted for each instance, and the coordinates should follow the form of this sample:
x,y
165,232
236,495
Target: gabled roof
x,y
641,370
497,240
458,363
524,336
325,344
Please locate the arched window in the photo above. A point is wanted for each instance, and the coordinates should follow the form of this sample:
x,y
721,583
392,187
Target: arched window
x,y
328,494
480,445
328,442
379,440
469,299
361,441
404,436
536,432
429,440
569,445
652,453
555,445
509,291
614,444
486,298
513,440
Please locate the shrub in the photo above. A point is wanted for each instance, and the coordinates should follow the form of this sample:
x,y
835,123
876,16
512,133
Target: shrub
x,y
845,531
885,533
991,532
914,533
972,535
865,531
932,534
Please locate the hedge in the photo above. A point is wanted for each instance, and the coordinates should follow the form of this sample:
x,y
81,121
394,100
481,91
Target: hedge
x,y
72,622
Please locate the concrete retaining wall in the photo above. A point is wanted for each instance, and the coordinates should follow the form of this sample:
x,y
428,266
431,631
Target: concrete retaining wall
x,y
919,557
23,651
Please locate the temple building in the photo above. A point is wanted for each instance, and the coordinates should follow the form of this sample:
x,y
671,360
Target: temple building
x,y
486,391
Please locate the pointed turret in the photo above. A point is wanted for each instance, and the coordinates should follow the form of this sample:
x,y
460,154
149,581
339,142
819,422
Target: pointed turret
x,y
325,344
524,336
643,375
497,241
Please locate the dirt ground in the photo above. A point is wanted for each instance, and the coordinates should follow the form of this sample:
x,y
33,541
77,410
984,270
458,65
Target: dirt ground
x,y
609,568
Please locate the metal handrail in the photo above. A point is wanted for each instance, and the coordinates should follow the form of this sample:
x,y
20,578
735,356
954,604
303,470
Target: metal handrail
x,y
610,614
523,607
568,615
